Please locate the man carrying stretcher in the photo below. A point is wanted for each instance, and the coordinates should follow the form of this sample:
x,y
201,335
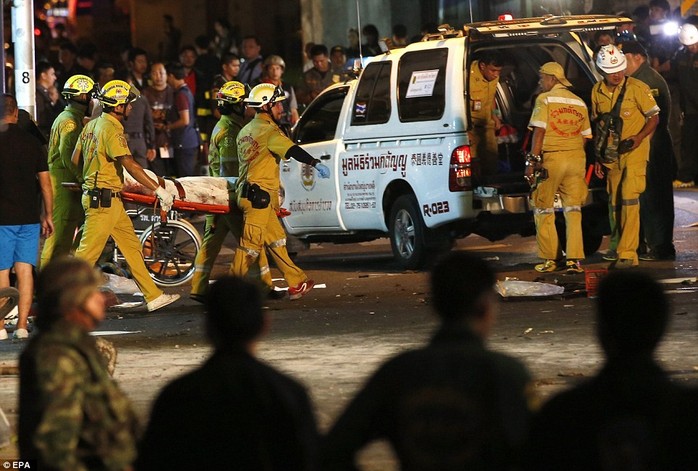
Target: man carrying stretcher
x,y
102,152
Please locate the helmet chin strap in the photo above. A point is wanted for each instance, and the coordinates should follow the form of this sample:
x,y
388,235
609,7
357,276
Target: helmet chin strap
x,y
267,109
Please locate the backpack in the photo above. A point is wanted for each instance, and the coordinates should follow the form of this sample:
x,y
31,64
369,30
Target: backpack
x,y
608,128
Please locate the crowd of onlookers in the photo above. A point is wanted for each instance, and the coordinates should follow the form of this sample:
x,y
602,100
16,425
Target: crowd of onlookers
x,y
207,63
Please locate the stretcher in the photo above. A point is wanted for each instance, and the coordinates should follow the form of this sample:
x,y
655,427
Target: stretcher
x,y
169,244
178,205
201,194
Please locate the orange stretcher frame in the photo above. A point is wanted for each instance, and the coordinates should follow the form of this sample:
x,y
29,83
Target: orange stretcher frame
x,y
179,205
150,200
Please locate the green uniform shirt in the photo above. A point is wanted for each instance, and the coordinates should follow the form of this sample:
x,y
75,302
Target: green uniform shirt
x,y
564,117
64,135
482,94
223,149
101,142
659,89
638,105
261,145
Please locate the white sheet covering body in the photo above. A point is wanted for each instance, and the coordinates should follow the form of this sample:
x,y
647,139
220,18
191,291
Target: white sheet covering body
x,y
205,190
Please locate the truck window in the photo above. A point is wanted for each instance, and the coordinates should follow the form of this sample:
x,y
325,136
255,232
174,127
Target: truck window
x,y
319,120
422,85
372,103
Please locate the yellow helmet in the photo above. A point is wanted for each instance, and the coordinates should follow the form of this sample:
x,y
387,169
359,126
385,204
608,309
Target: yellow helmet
x,y
263,94
117,92
79,84
231,92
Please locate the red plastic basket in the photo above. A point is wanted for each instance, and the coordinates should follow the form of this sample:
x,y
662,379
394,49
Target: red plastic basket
x,y
592,278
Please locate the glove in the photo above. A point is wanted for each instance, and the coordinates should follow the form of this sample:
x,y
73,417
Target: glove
x,y
165,197
323,170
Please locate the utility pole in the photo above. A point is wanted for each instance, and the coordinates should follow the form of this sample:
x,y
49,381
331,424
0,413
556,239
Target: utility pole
x,y
23,39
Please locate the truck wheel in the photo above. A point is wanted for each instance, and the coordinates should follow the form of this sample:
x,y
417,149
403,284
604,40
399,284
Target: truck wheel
x,y
407,233
592,234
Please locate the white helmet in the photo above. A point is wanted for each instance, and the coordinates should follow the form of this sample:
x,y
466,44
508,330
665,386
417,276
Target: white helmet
x,y
610,59
264,93
688,34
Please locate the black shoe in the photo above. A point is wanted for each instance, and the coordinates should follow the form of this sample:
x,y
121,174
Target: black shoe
x,y
199,298
656,257
275,294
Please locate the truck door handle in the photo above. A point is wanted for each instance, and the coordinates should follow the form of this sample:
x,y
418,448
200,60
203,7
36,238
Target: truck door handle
x,y
325,157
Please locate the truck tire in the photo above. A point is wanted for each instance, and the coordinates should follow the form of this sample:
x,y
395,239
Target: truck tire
x,y
592,233
407,233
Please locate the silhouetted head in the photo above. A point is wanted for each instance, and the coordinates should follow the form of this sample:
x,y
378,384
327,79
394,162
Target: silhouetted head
x,y
632,314
461,287
234,314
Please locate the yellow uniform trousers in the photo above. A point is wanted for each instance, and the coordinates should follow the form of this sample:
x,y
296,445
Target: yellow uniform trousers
x,y
215,231
262,227
100,223
483,145
68,217
625,182
565,176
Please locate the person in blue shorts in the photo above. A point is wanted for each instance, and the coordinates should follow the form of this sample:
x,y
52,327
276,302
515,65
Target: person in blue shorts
x,y
21,215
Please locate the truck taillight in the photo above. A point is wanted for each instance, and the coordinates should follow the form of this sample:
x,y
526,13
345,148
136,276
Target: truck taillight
x,y
461,169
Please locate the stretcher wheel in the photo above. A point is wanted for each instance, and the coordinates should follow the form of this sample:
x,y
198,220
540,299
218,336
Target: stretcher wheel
x,y
9,298
170,253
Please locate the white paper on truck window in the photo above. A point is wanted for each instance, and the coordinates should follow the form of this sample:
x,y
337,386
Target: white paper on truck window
x,y
422,83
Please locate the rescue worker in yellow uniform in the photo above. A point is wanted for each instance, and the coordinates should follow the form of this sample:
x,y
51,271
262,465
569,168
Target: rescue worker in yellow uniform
x,y
261,145
103,153
484,115
560,124
68,215
223,162
625,178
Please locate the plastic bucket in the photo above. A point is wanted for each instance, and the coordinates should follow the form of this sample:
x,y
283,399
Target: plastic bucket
x,y
592,278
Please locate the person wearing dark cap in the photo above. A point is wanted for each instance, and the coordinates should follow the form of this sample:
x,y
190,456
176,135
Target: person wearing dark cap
x,y
338,62
630,415
657,201
452,404
244,414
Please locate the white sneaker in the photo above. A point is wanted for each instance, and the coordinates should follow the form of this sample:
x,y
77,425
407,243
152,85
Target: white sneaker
x,y
12,316
21,334
3,334
162,301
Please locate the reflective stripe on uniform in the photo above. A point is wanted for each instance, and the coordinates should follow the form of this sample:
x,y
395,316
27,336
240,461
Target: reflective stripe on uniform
x,y
631,202
569,209
277,243
566,101
543,210
264,270
249,252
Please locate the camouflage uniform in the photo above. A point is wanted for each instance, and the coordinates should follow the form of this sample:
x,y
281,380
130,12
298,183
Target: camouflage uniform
x,y
72,415
68,215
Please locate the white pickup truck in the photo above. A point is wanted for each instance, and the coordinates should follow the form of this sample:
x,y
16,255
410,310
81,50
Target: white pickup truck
x,y
396,142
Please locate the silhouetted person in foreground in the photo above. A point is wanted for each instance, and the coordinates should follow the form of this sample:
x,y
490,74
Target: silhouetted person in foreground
x,y
629,416
451,405
233,412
